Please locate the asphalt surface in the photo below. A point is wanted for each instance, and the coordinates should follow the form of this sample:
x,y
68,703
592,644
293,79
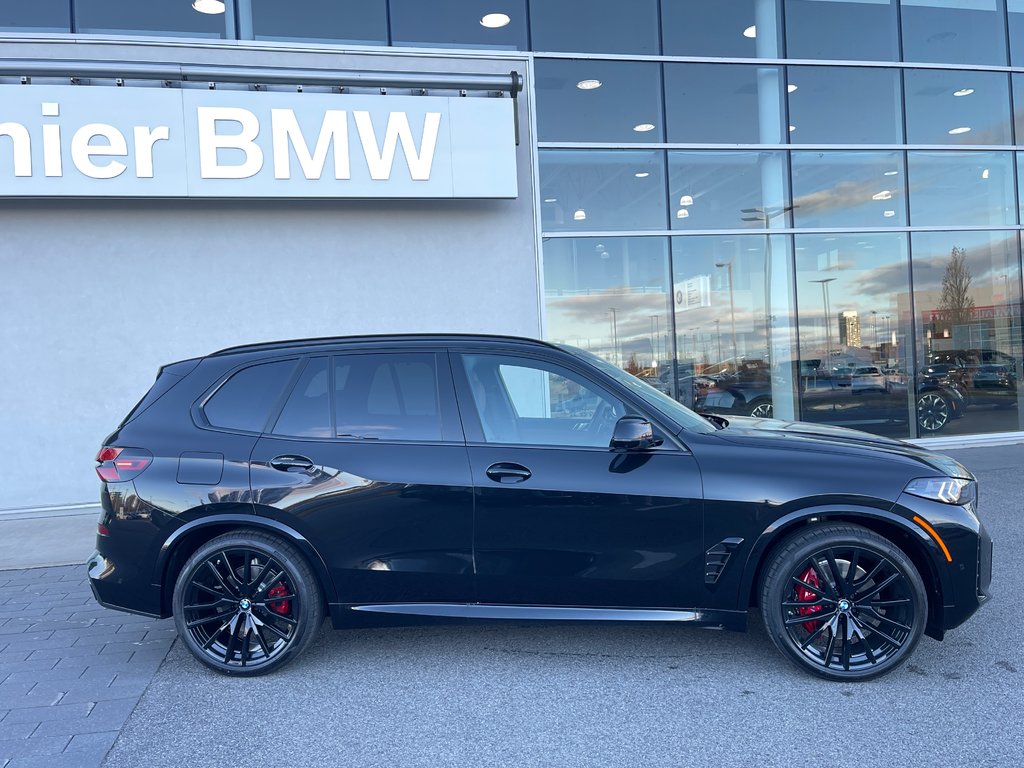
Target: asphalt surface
x,y
607,695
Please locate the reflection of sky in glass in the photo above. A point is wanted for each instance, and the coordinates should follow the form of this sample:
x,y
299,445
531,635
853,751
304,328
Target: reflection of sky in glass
x,y
715,29
1018,96
629,96
942,103
1016,17
595,26
961,188
726,190
598,190
354,21
844,105
120,16
848,189
860,30
1020,182
37,16
723,104
456,23
954,31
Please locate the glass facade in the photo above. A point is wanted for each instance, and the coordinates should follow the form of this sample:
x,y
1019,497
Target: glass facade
x,y
803,208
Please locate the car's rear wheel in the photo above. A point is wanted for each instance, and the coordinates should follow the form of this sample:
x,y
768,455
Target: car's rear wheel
x,y
843,603
247,603
932,412
761,409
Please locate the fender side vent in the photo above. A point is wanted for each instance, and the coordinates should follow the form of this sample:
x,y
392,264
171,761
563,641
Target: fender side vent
x,y
717,558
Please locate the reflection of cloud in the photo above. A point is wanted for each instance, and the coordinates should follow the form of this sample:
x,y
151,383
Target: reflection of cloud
x,y
841,196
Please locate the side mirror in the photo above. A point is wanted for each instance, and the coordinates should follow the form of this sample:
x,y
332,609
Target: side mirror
x,y
633,433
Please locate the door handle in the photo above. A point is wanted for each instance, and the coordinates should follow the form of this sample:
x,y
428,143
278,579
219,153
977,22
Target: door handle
x,y
507,472
290,463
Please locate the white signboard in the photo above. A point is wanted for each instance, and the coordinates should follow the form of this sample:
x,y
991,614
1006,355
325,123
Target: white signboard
x,y
693,293
97,141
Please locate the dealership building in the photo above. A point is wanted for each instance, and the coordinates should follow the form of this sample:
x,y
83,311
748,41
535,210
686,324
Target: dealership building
x,y
810,209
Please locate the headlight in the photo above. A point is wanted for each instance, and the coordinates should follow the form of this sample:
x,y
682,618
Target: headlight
x,y
950,490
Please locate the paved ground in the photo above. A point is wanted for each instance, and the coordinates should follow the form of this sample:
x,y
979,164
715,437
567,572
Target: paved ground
x,y
512,694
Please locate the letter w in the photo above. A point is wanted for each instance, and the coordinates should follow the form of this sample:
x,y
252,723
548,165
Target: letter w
x,y
286,131
381,162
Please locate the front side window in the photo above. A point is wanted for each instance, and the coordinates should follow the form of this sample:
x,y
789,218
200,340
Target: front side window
x,y
529,402
244,401
387,397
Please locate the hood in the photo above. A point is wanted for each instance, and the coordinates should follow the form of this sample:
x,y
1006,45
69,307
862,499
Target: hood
x,y
801,436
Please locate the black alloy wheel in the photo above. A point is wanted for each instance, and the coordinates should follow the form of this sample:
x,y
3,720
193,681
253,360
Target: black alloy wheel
x,y
247,603
843,603
932,412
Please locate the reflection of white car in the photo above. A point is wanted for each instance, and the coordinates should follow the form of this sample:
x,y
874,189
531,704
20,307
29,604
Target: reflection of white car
x,y
869,377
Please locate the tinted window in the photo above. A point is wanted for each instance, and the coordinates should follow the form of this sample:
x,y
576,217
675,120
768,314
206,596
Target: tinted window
x,y
244,401
848,189
459,23
598,26
844,105
1015,14
961,188
387,397
948,106
356,21
954,31
308,410
160,18
36,16
720,28
861,30
526,402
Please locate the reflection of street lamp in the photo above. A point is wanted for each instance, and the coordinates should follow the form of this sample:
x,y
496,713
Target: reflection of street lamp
x,y
615,336
828,318
718,334
874,327
766,215
732,310
655,325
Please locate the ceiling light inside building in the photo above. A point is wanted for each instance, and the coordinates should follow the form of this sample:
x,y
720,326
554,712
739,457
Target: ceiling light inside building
x,y
588,85
792,128
495,20
682,213
550,199
885,194
643,127
891,173
790,88
888,214
750,31
686,200
580,215
963,92
212,7
984,174
641,174
962,129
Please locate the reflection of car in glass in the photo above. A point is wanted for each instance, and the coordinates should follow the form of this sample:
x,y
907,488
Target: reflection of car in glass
x,y
982,384
839,400
260,489
869,377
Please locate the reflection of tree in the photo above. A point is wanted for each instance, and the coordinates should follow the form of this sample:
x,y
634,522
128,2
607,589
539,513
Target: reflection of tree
x,y
956,303
633,366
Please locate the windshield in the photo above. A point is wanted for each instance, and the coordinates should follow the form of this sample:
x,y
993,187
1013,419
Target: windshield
x,y
652,397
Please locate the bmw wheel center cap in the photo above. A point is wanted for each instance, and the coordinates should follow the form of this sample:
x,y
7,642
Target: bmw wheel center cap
x,y
844,605
244,604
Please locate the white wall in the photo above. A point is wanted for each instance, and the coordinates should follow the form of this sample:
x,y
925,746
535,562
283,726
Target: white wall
x,y
95,295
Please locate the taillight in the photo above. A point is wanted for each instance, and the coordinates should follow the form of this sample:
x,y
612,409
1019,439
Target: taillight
x,y
119,464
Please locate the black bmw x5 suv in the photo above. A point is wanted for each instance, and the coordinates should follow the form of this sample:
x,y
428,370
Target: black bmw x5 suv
x,y
373,479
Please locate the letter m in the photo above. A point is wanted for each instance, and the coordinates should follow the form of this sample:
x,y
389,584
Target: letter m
x,y
286,132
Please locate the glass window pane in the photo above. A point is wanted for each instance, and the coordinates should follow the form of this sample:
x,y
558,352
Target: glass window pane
x,y
459,23
595,26
1016,17
967,298
727,28
727,190
855,359
957,107
36,16
244,401
723,104
1018,102
171,19
858,30
844,105
308,410
848,189
954,31
1020,183
598,190
961,188
588,100
387,397
610,296
331,21
734,333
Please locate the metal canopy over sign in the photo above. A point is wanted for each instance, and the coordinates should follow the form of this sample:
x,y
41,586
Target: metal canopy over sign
x,y
97,141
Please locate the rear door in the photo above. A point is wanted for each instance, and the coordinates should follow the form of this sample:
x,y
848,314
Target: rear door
x,y
367,459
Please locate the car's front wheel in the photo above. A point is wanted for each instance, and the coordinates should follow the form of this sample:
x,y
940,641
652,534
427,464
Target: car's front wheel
x,y
933,412
843,603
247,603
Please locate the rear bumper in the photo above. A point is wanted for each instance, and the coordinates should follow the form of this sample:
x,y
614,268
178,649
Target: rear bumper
x,y
111,592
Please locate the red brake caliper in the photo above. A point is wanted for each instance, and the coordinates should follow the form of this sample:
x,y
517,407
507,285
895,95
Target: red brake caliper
x,y
284,606
806,596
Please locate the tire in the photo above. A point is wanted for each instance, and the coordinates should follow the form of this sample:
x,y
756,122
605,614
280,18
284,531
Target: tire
x,y
761,409
247,603
834,626
933,412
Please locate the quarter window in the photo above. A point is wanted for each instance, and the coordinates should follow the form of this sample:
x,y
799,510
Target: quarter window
x,y
244,401
387,397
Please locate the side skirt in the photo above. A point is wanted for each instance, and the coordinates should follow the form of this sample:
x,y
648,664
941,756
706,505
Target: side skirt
x,y
348,614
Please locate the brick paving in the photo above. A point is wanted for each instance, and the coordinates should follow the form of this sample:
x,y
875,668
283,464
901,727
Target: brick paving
x,y
71,671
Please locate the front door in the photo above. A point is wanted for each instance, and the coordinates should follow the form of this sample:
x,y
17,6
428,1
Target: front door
x,y
367,460
560,518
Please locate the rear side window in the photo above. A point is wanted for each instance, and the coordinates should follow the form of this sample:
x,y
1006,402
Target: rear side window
x,y
308,410
244,401
387,397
